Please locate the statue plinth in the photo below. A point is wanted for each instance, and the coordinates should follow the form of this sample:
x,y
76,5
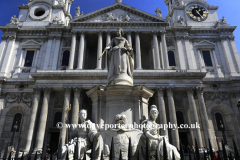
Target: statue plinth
x,y
107,101
120,79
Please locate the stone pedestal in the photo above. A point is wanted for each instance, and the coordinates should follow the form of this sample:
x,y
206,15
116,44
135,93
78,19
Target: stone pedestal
x,y
107,101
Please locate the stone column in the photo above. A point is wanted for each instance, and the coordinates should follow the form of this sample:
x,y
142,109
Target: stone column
x,y
228,56
48,53
3,46
81,51
218,68
138,51
108,41
56,52
43,119
64,115
35,60
129,38
235,51
194,116
72,53
188,51
173,117
37,93
204,116
182,63
8,55
99,51
164,49
162,110
76,104
156,52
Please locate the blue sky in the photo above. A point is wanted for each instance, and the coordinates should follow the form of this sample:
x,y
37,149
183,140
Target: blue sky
x,y
227,8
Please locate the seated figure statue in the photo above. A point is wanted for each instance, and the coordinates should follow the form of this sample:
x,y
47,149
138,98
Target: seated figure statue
x,y
84,135
151,131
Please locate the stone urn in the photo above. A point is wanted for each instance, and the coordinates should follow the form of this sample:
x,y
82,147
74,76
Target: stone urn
x,y
118,1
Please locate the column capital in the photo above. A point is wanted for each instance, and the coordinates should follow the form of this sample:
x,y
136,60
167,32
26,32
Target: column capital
x,y
179,38
4,38
37,91
231,38
137,32
186,38
74,33
154,32
200,89
190,90
169,90
129,32
12,37
108,32
163,32
47,91
67,90
58,37
160,90
77,90
100,32
82,33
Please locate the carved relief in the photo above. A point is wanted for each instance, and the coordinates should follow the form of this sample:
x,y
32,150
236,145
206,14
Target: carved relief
x,y
119,16
211,96
67,43
19,98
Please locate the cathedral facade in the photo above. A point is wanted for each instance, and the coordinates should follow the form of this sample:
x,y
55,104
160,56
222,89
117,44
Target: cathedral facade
x,y
50,59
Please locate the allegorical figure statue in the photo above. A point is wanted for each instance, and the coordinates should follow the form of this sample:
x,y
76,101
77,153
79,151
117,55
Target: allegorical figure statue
x,y
120,60
151,131
84,135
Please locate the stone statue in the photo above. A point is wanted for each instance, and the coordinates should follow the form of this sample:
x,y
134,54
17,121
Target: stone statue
x,y
120,60
223,20
158,12
151,131
181,20
77,11
14,20
120,133
84,135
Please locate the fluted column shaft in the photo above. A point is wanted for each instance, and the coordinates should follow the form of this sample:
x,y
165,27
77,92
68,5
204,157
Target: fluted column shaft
x,y
56,53
76,102
37,92
72,53
108,41
129,38
64,114
2,47
194,116
162,110
164,49
81,51
156,52
182,62
8,55
43,119
138,51
48,53
204,116
99,51
173,117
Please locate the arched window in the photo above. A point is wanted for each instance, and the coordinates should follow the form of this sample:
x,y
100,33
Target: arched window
x,y
57,118
65,58
219,120
171,58
16,122
180,119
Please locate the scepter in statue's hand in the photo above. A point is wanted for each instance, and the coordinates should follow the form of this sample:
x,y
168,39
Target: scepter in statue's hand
x,y
104,52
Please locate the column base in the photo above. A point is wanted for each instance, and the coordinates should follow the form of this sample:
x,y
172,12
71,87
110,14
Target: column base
x,y
138,68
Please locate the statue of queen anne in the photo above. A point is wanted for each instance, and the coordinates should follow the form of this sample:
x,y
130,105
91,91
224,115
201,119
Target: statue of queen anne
x,y
120,61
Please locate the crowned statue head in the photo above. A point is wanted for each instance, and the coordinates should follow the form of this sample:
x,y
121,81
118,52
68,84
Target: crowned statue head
x,y
120,32
154,112
83,115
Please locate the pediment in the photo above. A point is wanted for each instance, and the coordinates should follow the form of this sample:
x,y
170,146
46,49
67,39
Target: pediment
x,y
118,12
31,44
205,45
